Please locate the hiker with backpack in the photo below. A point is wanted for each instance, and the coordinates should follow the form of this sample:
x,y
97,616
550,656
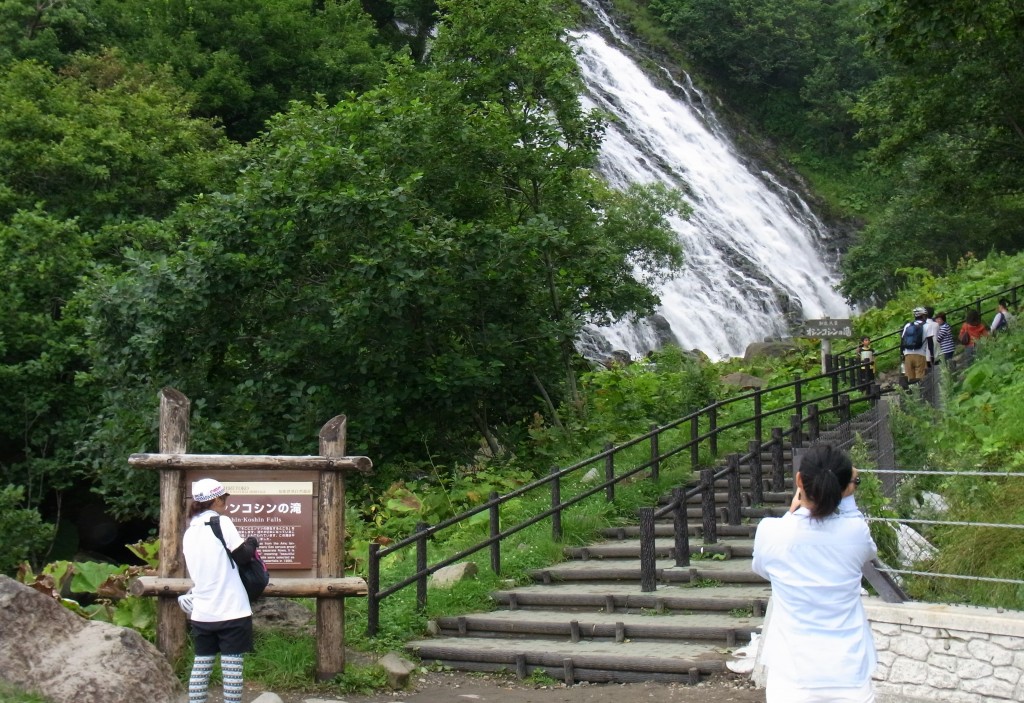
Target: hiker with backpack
x,y
971,331
1003,318
912,347
218,605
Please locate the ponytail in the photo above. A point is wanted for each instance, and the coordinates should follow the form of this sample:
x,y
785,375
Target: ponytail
x,y
195,508
825,472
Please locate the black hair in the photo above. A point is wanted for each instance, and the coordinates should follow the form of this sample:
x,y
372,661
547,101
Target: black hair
x,y
972,317
940,314
1004,302
196,507
825,473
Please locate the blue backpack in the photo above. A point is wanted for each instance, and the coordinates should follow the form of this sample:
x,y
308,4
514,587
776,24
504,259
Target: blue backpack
x,y
913,336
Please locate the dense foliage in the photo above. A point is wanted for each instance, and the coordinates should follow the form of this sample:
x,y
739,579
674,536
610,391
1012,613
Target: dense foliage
x,y
290,210
420,252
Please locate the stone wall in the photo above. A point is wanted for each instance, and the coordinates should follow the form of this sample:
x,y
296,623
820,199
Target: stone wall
x,y
947,653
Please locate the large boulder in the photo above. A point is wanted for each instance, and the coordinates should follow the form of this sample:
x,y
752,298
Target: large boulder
x,y
773,348
46,648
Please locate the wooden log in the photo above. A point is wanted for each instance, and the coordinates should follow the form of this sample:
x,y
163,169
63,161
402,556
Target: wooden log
x,y
174,431
330,557
439,651
250,462
345,587
595,601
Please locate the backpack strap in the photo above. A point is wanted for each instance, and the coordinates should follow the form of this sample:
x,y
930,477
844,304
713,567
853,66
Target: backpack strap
x,y
214,524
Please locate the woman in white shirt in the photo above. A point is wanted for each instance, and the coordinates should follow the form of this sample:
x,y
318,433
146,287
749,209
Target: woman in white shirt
x,y
218,605
818,646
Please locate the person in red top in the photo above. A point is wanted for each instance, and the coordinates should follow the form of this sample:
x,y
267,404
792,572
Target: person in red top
x,y
971,331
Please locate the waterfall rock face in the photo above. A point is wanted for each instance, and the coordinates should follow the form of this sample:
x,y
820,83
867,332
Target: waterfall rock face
x,y
757,258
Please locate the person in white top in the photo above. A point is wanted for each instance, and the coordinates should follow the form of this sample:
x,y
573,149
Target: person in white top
x,y
931,330
818,646
218,605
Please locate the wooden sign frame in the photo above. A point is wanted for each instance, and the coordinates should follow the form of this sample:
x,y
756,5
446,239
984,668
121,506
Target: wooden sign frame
x,y
328,584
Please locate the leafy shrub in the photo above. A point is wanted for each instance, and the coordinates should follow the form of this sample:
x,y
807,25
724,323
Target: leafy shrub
x,y
25,535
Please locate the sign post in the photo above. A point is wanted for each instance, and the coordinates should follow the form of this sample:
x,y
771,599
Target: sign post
x,y
294,505
826,329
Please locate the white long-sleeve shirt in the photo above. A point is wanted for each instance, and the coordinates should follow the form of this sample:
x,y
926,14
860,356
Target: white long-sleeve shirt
x,y
217,591
818,635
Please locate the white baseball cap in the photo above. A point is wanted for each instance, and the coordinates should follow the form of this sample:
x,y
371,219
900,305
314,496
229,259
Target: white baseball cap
x,y
207,489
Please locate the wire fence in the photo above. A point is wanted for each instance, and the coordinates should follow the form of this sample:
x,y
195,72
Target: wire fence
x,y
939,547
932,541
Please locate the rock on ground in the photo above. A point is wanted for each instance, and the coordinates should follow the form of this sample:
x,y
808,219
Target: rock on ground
x,y
46,648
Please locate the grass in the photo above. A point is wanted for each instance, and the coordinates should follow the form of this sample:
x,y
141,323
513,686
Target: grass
x,y
9,693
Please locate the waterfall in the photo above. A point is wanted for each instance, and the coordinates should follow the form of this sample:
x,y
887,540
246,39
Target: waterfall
x,y
754,251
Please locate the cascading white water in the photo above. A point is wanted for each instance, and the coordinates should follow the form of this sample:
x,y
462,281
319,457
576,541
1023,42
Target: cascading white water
x,y
754,250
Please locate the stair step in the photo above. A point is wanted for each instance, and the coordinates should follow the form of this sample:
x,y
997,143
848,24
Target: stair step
x,y
665,528
586,660
722,498
720,627
735,570
628,598
662,548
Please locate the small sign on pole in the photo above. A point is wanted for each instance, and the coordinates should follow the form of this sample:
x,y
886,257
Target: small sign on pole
x,y
827,329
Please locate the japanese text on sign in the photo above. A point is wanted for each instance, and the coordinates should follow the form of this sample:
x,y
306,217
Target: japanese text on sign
x,y
280,515
827,328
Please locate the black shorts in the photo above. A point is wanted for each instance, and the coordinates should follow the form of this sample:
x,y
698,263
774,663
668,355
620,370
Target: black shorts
x,y
226,636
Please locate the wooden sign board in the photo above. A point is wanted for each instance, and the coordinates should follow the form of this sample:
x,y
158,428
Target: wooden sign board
x,y
827,328
278,510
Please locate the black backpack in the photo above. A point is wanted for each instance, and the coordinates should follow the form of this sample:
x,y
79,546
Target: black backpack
x,y
913,336
254,575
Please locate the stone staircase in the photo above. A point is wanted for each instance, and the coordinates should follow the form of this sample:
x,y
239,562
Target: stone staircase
x,y
587,619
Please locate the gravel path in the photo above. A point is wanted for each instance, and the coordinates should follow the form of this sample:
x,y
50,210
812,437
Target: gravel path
x,y
457,687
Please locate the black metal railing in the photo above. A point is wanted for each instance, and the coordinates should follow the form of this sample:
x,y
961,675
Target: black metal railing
x,y
850,381
850,376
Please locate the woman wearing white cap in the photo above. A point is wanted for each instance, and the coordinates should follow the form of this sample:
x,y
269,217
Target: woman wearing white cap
x,y
219,607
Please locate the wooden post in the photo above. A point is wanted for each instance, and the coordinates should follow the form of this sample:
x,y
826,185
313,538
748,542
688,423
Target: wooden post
x,y
556,502
735,517
778,463
758,420
373,587
330,558
713,430
495,524
756,473
648,582
813,422
655,453
174,430
681,528
707,505
694,443
609,473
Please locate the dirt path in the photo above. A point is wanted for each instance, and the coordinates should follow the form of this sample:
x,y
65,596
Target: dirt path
x,y
456,687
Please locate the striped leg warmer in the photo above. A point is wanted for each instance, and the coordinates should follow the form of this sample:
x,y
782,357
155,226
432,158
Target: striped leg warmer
x,y
231,668
199,680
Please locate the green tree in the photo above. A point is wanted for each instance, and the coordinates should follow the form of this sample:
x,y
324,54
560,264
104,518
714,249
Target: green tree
x,y
418,257
244,60
102,142
946,118
88,159
794,65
